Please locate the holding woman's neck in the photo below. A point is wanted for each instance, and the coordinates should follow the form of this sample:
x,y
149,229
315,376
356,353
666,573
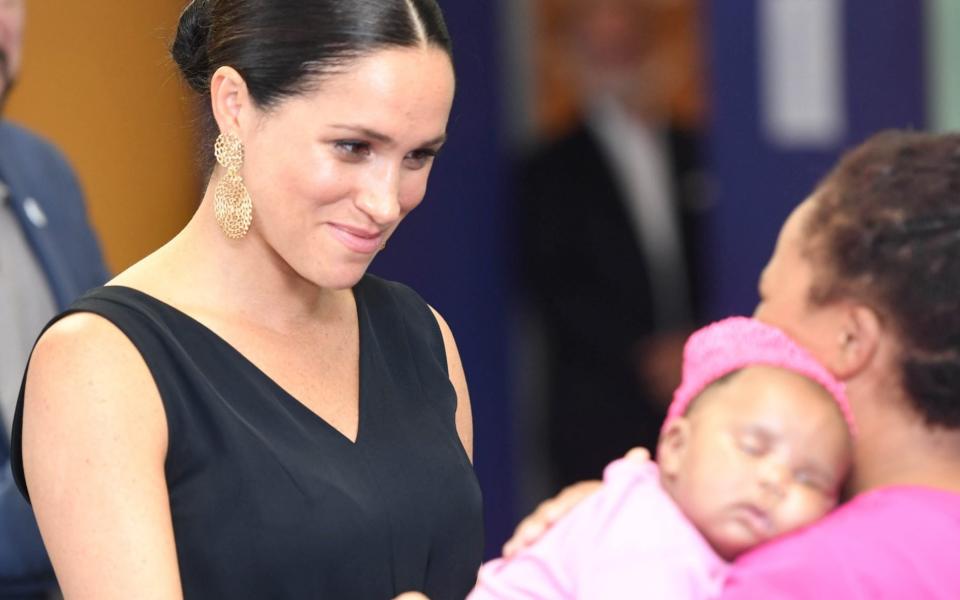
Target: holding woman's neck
x,y
896,447
906,455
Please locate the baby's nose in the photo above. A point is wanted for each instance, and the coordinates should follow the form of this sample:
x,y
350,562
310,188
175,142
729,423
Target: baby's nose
x,y
774,477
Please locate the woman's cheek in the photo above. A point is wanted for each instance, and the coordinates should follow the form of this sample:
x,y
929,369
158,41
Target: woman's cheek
x,y
411,198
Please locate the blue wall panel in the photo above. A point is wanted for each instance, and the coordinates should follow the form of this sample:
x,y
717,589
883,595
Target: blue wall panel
x,y
757,184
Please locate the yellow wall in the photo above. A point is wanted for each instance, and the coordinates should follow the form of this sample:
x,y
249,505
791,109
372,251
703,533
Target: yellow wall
x,y
98,82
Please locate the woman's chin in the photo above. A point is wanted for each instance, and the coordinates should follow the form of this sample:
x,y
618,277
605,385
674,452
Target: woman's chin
x,y
341,278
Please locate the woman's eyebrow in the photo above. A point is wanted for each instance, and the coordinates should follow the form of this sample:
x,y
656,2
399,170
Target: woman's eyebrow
x,y
384,138
367,132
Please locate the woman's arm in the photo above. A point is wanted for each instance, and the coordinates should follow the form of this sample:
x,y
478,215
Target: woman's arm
x,y
94,444
464,415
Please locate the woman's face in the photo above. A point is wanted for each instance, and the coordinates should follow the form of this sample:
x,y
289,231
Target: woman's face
x,y
333,172
785,291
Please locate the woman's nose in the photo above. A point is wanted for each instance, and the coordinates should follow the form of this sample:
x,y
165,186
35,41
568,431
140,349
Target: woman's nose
x,y
379,197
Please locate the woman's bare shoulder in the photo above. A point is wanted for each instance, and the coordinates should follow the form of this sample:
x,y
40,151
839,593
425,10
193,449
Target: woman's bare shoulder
x,y
94,448
464,412
84,341
85,370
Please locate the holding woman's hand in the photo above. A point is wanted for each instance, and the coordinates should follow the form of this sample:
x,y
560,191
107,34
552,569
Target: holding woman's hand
x,y
553,509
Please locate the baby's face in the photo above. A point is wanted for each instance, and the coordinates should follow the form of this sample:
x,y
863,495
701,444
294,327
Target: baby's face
x,y
757,456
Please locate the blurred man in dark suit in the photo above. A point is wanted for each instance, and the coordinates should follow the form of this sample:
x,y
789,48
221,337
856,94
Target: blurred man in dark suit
x,y
48,256
608,234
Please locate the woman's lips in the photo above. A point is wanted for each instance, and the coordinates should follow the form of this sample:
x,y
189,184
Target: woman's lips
x,y
356,239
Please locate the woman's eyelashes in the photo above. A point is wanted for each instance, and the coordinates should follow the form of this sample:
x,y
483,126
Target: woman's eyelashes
x,y
354,150
359,150
420,158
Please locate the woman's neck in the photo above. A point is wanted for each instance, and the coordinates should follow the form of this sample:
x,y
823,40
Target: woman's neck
x,y
896,447
201,270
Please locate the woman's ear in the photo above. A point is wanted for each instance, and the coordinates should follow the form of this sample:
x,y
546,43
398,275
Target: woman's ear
x,y
674,441
228,98
858,341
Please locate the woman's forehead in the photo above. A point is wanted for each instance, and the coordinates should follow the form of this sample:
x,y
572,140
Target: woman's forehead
x,y
389,91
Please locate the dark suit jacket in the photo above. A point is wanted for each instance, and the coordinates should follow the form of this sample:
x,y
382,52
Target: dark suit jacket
x,y
588,283
49,205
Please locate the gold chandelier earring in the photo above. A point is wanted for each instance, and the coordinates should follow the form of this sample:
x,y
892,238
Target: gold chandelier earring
x,y
232,205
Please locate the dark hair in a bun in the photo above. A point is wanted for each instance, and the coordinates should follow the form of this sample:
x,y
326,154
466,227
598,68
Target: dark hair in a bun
x,y
282,48
189,49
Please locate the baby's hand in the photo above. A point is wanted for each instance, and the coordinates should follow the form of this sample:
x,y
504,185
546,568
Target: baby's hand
x,y
638,455
411,596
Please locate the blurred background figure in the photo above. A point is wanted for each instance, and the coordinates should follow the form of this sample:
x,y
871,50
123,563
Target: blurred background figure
x,y
611,206
48,256
112,119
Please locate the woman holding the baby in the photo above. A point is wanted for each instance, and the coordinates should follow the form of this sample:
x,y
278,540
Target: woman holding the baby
x,y
866,276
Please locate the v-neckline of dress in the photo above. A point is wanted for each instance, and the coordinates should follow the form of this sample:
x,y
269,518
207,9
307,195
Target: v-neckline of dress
x,y
288,398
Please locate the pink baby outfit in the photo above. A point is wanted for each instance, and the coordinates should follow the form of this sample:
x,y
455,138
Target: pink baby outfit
x,y
628,540
888,544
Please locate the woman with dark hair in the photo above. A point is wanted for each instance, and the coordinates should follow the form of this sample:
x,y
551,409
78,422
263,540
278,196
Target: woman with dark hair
x,y
245,413
866,275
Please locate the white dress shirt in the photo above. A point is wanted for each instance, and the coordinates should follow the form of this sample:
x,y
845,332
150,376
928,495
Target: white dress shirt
x,y
26,304
640,159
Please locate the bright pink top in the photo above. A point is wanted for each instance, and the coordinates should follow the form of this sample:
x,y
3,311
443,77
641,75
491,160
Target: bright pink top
x,y
629,540
892,543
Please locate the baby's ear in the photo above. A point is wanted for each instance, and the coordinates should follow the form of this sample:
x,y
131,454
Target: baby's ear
x,y
672,447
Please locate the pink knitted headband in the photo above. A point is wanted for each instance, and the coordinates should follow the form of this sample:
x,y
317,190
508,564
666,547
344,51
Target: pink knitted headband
x,y
737,342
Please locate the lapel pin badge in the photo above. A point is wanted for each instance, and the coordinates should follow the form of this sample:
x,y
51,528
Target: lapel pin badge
x,y
33,211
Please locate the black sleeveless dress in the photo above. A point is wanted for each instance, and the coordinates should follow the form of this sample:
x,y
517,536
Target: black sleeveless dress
x,y
269,500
